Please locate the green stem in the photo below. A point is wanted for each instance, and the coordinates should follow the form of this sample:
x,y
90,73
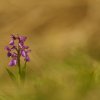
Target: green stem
x,y
25,66
24,72
19,65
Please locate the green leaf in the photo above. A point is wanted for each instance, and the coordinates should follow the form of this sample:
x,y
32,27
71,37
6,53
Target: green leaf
x,y
12,76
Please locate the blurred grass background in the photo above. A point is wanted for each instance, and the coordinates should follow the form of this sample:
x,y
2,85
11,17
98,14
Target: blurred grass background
x,y
64,38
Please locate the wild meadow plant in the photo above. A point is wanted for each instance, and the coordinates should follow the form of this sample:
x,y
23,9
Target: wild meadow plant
x,y
16,50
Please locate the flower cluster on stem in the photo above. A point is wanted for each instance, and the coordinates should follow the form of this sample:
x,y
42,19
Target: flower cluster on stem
x,y
17,49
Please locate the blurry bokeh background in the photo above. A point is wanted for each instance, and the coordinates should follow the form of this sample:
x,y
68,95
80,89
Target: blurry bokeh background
x,y
64,36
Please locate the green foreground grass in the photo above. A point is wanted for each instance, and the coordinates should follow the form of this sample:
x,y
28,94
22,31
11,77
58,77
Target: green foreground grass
x,y
76,77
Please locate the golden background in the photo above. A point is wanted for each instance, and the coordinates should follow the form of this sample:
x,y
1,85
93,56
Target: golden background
x,y
55,30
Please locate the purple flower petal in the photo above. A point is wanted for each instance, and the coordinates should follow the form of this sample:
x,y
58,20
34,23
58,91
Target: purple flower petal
x,y
13,62
22,38
9,54
11,42
23,53
14,55
7,48
27,58
21,45
26,47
